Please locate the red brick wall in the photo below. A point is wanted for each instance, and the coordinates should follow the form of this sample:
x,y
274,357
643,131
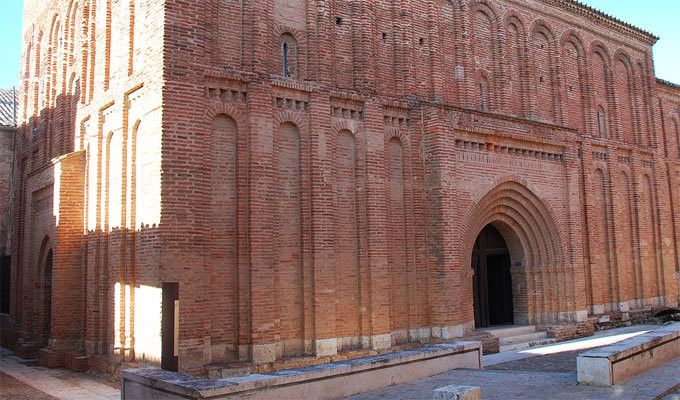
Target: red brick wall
x,y
336,207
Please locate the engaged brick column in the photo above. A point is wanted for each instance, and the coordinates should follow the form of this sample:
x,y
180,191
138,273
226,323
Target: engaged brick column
x,y
666,247
265,306
264,303
67,306
439,163
574,283
377,227
322,203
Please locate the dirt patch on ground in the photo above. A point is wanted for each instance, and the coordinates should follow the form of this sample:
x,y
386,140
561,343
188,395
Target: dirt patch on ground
x,y
11,388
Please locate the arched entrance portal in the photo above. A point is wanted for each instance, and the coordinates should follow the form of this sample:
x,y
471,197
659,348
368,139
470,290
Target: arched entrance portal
x,y
511,226
492,280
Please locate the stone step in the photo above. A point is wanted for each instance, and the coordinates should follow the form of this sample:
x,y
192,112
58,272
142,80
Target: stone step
x,y
525,345
526,337
510,330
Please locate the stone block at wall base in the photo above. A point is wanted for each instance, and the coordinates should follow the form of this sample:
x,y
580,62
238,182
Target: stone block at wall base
x,y
106,365
490,343
617,319
76,361
263,353
219,371
100,363
568,331
326,347
49,358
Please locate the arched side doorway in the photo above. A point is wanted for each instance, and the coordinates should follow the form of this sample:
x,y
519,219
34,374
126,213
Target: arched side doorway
x,y
492,280
45,268
47,296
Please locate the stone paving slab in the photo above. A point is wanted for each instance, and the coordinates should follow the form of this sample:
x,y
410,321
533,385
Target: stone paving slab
x,y
599,339
561,362
546,372
58,383
498,384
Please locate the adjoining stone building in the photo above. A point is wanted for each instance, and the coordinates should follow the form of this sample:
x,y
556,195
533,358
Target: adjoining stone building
x,y
306,177
8,123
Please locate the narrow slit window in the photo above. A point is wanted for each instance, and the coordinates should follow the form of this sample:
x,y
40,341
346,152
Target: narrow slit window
x,y
289,52
284,60
484,95
602,122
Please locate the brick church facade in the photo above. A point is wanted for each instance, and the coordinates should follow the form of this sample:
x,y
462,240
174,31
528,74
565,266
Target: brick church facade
x,y
218,181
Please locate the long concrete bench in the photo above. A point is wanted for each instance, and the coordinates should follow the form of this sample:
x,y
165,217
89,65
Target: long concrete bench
x,y
611,365
327,381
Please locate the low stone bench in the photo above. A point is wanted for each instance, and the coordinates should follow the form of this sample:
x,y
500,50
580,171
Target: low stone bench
x,y
327,381
611,365
458,393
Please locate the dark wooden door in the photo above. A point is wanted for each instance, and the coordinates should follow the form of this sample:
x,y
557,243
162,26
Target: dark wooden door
x,y
170,327
499,289
492,282
5,277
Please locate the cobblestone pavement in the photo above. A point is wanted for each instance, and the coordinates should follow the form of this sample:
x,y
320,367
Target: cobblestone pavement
x,y
27,379
540,374
11,388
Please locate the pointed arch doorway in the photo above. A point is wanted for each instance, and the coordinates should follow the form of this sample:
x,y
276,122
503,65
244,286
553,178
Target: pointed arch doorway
x,y
492,282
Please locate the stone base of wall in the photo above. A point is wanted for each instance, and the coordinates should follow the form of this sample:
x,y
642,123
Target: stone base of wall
x,y
76,361
104,364
9,337
618,319
27,350
609,320
50,358
330,381
562,332
101,364
301,362
490,343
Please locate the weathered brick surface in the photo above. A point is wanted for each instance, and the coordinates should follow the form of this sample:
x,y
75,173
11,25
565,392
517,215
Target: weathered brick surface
x,y
314,173
6,158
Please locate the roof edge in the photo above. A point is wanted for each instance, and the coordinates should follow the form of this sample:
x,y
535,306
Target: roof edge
x,y
668,83
623,26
